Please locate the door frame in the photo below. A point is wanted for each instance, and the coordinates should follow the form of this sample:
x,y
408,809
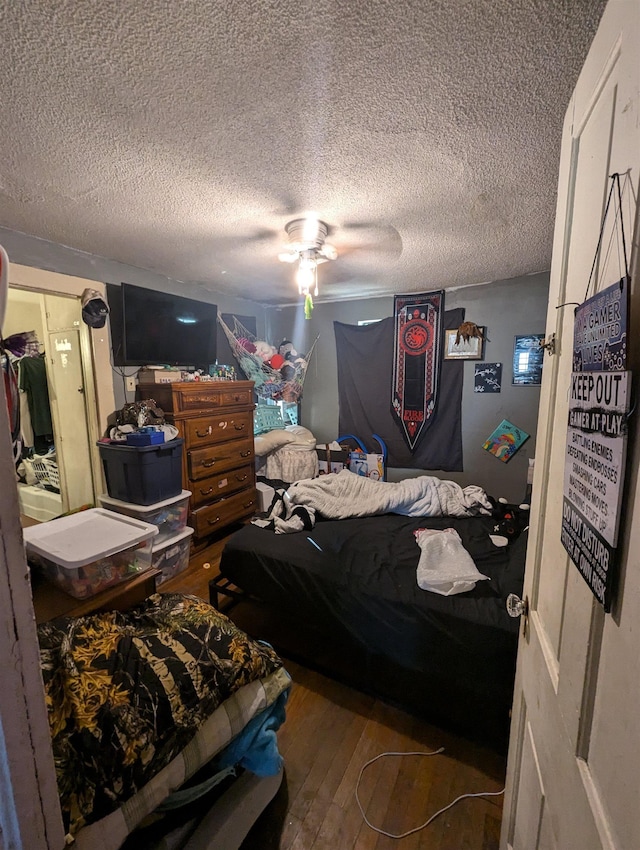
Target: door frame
x,y
95,351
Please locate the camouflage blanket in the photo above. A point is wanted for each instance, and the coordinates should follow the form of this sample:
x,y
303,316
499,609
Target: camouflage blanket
x,y
126,692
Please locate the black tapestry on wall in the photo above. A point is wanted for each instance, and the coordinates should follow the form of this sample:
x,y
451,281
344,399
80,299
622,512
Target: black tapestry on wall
x,y
417,357
365,367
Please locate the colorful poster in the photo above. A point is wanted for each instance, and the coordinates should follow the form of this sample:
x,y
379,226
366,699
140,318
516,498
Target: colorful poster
x,y
416,361
505,441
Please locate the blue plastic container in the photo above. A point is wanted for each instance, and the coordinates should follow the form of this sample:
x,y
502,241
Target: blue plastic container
x,y
142,474
145,438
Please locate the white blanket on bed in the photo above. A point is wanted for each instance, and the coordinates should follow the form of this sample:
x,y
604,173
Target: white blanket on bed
x,y
343,495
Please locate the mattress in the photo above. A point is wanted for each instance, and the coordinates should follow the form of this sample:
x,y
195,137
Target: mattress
x,y
358,577
222,727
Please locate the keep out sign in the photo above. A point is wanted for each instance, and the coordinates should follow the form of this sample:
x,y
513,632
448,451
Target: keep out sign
x,y
596,441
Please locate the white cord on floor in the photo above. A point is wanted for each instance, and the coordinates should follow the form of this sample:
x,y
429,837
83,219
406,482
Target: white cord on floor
x,y
433,817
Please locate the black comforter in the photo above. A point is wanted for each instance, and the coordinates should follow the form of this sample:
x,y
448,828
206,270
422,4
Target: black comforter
x,y
357,577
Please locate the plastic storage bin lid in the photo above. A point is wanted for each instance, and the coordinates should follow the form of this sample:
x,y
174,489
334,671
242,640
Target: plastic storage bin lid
x,y
168,542
141,509
79,539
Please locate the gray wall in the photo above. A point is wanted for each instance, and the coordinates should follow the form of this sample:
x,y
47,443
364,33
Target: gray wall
x,y
506,308
41,254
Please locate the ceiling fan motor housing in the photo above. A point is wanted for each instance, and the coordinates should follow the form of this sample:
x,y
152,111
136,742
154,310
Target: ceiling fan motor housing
x,y
306,234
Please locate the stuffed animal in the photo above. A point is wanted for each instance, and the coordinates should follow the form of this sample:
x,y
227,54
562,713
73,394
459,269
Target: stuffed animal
x,y
467,331
277,362
287,350
252,370
247,345
264,350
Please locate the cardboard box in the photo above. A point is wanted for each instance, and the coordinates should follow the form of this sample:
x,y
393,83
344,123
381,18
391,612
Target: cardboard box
x,y
331,460
367,465
159,376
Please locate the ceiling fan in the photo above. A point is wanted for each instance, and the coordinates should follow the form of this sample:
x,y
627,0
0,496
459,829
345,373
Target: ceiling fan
x,y
308,248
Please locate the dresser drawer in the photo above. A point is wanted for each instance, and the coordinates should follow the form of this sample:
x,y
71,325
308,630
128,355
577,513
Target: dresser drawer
x,y
208,461
212,398
217,428
207,519
222,484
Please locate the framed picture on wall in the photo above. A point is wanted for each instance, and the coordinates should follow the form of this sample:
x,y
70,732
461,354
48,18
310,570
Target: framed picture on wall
x,y
505,441
470,349
528,357
487,378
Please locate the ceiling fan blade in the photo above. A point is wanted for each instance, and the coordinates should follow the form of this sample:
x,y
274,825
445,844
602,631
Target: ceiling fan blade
x,y
370,237
259,234
288,256
332,274
329,252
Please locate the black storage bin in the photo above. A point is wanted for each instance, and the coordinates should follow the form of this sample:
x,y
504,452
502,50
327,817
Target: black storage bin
x,y
143,474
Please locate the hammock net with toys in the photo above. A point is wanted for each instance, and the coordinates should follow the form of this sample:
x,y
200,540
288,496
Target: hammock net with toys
x,y
277,375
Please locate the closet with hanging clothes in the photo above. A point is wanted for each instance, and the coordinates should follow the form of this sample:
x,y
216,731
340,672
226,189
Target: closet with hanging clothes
x,y
25,369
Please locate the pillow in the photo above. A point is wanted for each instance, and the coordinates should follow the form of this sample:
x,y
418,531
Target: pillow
x,y
303,439
265,443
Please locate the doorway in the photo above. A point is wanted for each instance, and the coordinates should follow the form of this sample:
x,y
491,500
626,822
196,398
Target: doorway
x,y
56,474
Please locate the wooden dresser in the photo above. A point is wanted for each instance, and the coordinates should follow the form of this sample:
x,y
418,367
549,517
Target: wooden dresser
x,y
215,420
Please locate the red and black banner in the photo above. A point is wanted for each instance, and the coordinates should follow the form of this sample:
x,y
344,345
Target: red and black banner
x,y
416,361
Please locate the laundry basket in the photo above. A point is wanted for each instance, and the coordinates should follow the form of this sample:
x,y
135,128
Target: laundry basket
x,y
45,469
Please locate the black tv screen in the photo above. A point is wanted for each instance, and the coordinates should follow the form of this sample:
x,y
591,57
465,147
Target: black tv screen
x,y
163,329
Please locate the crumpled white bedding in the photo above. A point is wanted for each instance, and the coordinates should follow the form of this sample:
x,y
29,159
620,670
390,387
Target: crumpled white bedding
x,y
344,494
445,566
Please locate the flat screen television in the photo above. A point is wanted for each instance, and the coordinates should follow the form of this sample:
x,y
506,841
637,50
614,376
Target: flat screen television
x,y
163,329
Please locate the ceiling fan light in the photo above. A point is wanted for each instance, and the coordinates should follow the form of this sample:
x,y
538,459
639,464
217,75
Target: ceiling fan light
x,y
306,275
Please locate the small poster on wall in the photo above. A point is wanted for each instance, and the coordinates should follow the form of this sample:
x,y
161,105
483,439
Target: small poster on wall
x,y
488,378
528,356
505,441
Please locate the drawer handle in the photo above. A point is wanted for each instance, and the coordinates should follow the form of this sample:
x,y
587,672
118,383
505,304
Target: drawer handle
x,y
240,427
208,463
203,433
214,521
241,477
248,504
206,492
245,454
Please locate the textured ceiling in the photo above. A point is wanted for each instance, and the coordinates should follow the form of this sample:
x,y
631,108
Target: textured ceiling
x,y
182,136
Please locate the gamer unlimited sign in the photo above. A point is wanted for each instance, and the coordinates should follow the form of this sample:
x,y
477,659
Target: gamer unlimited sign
x,y
596,441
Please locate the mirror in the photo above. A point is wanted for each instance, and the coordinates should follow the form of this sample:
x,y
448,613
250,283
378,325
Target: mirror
x,y
54,472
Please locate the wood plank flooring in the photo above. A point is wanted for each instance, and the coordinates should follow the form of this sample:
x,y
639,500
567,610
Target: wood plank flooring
x,y
330,732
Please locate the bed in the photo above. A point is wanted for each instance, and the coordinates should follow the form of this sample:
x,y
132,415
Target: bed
x,y
352,581
143,703
284,453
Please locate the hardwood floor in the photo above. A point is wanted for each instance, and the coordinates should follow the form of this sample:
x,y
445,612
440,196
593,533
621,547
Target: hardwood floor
x,y
330,732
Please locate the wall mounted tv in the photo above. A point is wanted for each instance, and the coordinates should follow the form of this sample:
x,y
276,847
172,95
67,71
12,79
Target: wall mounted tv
x,y
163,329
